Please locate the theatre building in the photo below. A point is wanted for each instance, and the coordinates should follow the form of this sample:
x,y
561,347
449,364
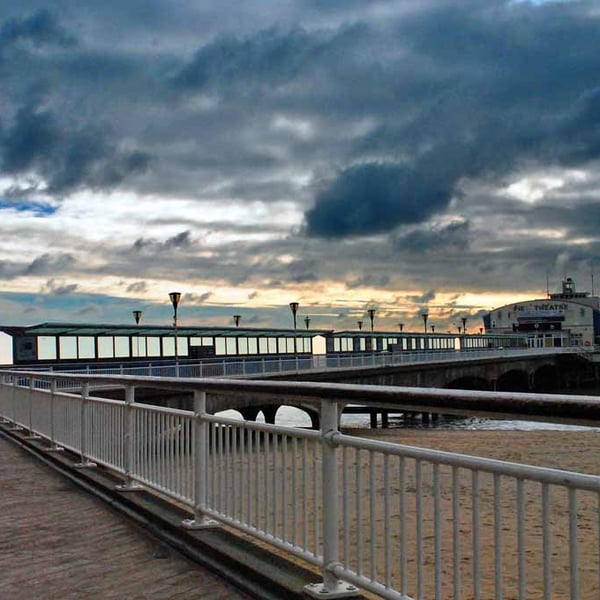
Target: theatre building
x,y
568,318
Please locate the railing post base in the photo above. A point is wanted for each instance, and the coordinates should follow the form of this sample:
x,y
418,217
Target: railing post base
x,y
129,486
87,464
14,428
340,590
32,436
54,448
202,523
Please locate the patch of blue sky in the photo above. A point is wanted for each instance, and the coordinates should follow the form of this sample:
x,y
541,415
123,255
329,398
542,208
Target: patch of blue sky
x,y
39,209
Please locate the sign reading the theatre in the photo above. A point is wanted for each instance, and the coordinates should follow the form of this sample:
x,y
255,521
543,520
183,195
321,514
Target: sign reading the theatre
x,y
555,308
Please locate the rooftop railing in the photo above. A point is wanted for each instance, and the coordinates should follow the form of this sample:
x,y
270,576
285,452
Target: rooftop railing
x,y
396,520
248,367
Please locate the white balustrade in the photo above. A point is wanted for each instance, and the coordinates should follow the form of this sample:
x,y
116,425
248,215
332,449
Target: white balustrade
x,y
395,520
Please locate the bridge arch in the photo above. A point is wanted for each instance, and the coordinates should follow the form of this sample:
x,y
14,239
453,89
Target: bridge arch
x,y
469,382
514,380
545,379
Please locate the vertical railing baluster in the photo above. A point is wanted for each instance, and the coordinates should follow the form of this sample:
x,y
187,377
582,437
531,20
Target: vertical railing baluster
x,y
547,542
476,548
330,485
403,532
200,436
456,553
573,551
129,439
521,538
498,537
83,406
419,519
437,531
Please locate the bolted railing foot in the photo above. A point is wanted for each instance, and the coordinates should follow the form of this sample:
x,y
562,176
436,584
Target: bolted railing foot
x,y
203,523
86,464
54,448
340,590
129,486
32,436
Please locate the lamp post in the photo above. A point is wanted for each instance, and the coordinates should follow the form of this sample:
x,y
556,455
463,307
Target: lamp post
x,y
371,312
360,324
175,297
236,320
294,308
432,328
137,315
401,326
307,322
464,322
425,315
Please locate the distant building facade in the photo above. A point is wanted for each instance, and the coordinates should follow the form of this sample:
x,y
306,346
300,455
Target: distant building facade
x,y
568,318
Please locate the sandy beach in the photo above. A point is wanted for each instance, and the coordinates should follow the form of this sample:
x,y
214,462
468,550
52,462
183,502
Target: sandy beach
x,y
573,450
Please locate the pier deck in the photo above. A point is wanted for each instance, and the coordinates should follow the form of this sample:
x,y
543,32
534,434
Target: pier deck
x,y
57,541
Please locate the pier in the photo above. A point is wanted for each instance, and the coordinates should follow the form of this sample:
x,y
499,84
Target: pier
x,y
358,514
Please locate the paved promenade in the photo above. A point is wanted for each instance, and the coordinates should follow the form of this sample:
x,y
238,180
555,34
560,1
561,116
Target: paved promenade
x,y
57,541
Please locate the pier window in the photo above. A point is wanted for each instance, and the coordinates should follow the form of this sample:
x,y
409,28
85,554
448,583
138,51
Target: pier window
x,y
106,347
182,346
152,346
230,345
242,345
168,344
68,347
290,345
363,344
46,347
281,345
263,346
252,345
220,346
272,345
86,347
121,346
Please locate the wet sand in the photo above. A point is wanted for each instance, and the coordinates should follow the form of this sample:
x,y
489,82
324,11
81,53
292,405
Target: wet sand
x,y
572,450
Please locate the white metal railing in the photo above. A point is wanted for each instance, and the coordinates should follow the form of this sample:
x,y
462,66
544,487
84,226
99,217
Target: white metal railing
x,y
399,521
288,364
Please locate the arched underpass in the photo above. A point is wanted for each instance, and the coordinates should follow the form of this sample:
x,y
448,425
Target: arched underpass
x,y
469,383
513,381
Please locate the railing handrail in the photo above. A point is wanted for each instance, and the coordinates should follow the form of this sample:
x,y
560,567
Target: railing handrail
x,y
245,475
561,408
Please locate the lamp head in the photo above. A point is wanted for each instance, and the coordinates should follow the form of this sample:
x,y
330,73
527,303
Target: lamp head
x,y
175,298
137,315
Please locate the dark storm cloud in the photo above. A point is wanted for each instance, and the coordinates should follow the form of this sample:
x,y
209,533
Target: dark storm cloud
x,y
139,287
500,95
269,58
181,241
369,280
50,263
40,28
453,237
68,158
57,288
374,197
423,298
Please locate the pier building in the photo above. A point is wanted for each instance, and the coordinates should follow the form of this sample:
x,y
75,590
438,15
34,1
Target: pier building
x,y
565,318
56,344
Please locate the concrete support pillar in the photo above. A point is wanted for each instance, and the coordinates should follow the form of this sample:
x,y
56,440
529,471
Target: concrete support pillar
x,y
373,418
270,412
384,419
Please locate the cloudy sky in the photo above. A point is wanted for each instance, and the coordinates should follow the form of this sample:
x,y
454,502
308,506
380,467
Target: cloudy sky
x,y
344,154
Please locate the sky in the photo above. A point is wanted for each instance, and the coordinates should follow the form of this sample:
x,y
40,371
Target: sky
x,y
343,154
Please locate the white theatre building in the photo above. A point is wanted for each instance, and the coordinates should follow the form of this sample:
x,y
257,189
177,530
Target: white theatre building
x,y
568,318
